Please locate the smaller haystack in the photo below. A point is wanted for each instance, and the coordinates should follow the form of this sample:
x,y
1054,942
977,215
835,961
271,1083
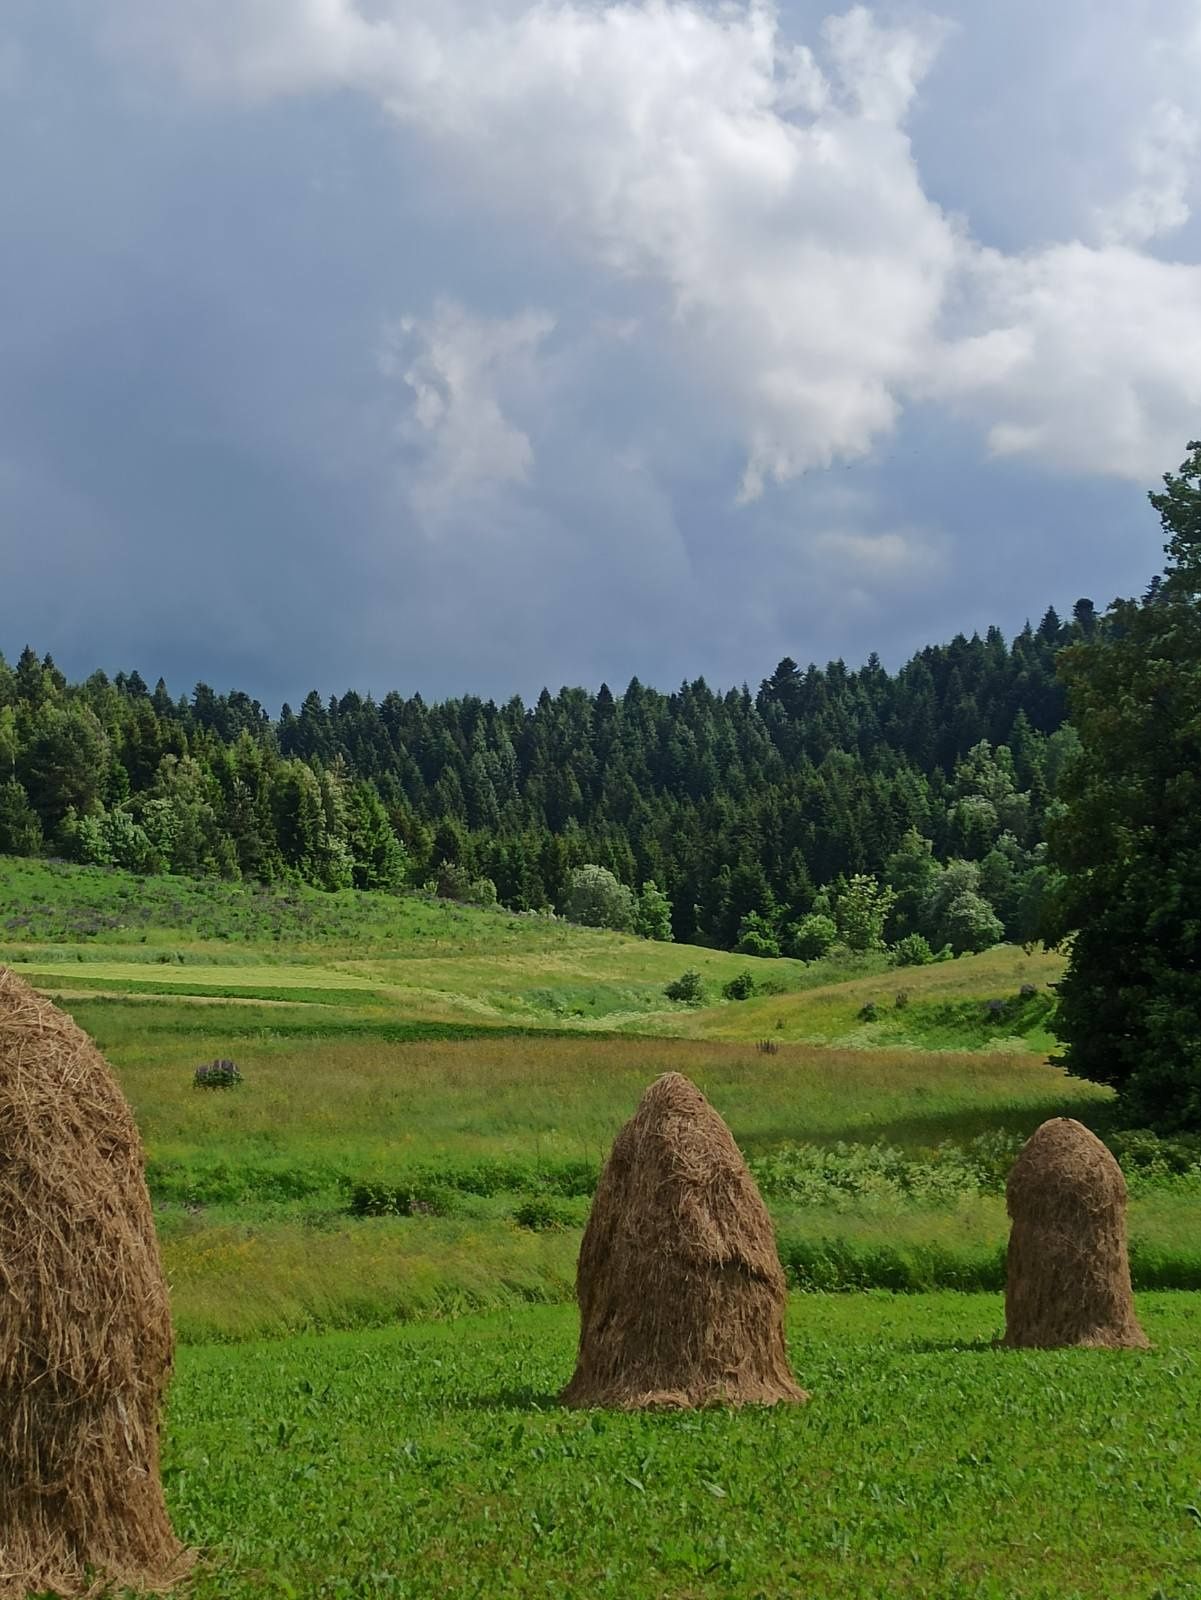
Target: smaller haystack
x,y
1068,1274
85,1329
679,1285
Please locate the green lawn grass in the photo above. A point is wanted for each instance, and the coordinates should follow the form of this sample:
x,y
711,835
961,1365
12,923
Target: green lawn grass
x,y
434,1460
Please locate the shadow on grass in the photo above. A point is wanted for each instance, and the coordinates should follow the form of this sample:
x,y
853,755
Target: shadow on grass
x,y
521,1398
949,1347
917,1129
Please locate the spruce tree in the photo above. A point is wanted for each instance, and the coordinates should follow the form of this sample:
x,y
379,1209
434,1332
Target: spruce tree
x,y
1128,845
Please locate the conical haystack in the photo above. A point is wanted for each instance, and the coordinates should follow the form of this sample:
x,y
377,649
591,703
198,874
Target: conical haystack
x,y
680,1288
85,1331
1069,1275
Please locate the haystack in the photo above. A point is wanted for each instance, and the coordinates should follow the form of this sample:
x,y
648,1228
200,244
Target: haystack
x,y
680,1289
1069,1275
85,1331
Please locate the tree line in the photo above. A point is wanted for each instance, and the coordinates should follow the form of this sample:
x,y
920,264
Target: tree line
x,y
888,805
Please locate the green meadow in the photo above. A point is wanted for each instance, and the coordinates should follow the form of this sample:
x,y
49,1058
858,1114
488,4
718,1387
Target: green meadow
x,y
371,1245
432,1459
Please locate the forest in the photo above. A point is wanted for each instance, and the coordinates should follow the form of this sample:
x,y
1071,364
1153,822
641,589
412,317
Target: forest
x,y
855,804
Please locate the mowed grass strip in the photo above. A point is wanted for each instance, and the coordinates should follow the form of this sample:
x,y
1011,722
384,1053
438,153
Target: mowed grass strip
x,y
197,975
434,1460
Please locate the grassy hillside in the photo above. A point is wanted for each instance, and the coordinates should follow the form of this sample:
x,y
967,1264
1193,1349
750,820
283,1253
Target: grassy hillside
x,y
430,1090
384,961
79,931
974,1002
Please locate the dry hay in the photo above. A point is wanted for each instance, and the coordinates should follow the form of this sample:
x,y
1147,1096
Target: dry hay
x,y
1069,1275
680,1288
85,1329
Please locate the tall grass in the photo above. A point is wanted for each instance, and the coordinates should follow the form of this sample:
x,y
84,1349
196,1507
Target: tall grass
x,y
369,1106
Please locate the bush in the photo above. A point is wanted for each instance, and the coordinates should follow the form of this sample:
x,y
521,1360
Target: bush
x,y
912,951
811,937
454,882
437,1190
543,1214
1144,1153
216,1075
740,987
688,987
422,1198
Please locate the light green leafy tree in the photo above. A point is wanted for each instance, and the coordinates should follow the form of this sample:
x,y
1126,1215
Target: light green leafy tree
x,y
597,900
653,916
861,908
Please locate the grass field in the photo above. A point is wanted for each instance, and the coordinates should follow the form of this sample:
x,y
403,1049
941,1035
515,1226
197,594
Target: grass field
x,y
433,1460
429,1092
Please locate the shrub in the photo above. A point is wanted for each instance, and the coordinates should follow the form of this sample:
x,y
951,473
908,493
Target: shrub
x,y
912,951
544,1214
216,1075
740,987
438,1190
811,937
418,1199
688,987
454,882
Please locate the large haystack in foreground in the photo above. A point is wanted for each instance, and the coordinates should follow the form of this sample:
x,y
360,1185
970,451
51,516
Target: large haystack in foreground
x,y
1069,1275
680,1288
85,1332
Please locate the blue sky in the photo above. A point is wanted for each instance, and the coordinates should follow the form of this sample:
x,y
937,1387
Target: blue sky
x,y
476,345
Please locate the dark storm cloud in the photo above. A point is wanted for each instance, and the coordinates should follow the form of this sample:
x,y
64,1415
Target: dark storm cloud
x,y
292,395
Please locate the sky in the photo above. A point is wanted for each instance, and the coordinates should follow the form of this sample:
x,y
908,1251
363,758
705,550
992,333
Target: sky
x,y
472,346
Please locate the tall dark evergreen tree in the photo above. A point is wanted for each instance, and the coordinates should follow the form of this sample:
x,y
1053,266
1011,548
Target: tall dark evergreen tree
x,y
1129,843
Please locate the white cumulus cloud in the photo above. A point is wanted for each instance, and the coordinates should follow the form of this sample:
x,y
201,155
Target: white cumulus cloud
x,y
765,188
1165,158
458,369
1089,359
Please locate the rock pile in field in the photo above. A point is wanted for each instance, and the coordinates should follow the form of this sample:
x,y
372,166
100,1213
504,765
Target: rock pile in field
x,y
679,1284
85,1331
1068,1277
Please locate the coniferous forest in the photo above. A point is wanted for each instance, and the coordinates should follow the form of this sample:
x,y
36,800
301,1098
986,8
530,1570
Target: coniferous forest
x,y
833,803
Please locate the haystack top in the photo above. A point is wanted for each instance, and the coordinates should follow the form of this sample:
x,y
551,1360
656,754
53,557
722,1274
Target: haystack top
x,y
1064,1164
